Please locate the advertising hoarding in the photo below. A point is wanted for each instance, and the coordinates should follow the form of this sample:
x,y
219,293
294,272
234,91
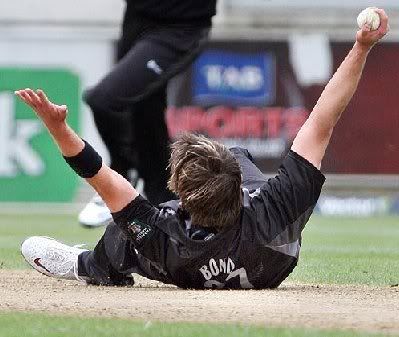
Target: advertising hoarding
x,y
31,167
222,77
365,140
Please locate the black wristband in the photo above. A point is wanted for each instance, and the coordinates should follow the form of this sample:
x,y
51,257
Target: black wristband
x,y
87,163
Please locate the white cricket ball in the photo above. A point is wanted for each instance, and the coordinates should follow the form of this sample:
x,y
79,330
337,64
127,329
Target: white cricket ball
x,y
370,17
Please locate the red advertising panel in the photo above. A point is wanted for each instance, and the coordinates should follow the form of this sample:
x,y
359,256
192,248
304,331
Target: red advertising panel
x,y
246,94
366,140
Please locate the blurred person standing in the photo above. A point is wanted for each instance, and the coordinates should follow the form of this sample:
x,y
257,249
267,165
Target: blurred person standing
x,y
159,39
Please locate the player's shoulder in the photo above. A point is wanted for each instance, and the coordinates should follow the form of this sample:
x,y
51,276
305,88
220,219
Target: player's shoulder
x,y
169,209
138,206
295,163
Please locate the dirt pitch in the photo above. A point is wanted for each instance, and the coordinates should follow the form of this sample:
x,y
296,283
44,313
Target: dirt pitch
x,y
292,305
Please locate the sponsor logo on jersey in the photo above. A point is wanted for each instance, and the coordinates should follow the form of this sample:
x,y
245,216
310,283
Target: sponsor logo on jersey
x,y
139,230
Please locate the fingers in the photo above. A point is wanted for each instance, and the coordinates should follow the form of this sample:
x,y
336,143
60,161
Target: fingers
x,y
63,108
42,96
366,28
34,100
369,37
23,94
384,26
383,15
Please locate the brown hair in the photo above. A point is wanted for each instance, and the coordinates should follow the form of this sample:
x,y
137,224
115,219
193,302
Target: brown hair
x,y
207,178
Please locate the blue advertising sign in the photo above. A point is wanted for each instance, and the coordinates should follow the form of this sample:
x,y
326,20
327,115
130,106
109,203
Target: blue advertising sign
x,y
234,78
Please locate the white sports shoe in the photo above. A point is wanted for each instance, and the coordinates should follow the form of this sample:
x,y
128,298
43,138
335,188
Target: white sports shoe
x,y
51,257
95,214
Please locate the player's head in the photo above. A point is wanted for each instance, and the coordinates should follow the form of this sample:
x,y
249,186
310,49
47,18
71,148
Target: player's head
x,y
207,178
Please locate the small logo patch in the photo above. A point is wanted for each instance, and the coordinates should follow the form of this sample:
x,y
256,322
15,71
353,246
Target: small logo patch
x,y
153,65
139,230
37,263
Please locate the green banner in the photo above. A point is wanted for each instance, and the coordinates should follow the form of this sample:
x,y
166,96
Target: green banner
x,y
31,168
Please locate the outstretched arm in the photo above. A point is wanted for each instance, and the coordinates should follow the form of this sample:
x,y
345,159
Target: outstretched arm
x,y
314,136
115,190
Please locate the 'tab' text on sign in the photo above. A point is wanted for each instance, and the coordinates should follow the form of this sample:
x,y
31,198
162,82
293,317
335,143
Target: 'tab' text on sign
x,y
238,78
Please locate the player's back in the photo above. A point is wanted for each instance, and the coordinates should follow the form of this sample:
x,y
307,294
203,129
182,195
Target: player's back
x,y
258,251
237,258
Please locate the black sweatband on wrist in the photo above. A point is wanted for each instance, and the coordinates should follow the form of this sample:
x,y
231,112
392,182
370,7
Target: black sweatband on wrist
x,y
86,163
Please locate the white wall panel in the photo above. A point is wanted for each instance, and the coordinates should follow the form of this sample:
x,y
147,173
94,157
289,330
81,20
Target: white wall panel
x,y
58,11
313,3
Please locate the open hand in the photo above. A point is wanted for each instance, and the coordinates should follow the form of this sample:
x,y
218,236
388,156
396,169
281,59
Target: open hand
x,y
368,37
51,114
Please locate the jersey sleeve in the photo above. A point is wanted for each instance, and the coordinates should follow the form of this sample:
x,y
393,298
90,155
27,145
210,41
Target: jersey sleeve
x,y
284,204
138,220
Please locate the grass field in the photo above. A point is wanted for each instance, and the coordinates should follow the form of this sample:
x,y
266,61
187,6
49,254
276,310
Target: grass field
x,y
335,251
29,325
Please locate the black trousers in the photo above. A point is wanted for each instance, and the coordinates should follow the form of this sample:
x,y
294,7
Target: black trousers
x,y
128,104
114,258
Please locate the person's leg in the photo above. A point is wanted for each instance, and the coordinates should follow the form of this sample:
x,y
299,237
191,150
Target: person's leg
x,y
138,84
114,125
116,132
114,259
111,262
152,140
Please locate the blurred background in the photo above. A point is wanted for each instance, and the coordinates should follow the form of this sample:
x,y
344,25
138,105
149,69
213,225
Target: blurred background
x,y
253,86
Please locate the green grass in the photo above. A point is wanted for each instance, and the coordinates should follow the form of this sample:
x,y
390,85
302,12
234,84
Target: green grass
x,y
29,325
335,250
350,251
15,228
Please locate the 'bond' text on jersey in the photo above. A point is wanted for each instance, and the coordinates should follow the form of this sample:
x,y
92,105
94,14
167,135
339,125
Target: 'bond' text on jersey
x,y
216,267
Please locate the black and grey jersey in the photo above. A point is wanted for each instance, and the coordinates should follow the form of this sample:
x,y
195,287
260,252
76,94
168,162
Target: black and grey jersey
x,y
259,251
